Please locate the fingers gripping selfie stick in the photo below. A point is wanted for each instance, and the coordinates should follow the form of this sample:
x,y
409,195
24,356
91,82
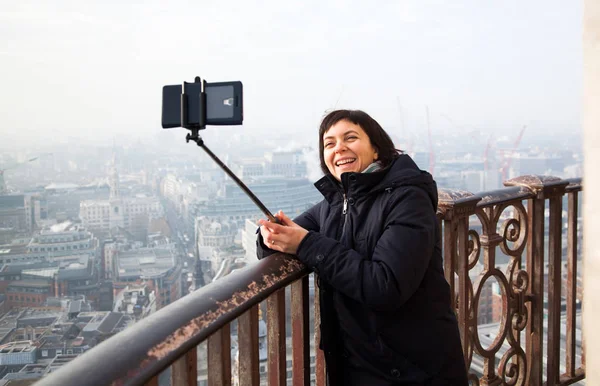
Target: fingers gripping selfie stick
x,y
201,104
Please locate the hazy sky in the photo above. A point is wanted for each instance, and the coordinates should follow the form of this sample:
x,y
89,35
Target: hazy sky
x,y
96,69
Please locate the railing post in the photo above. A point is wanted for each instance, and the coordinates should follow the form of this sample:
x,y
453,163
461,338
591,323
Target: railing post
x,y
185,370
553,188
320,368
219,357
300,332
554,286
455,207
276,338
248,342
571,287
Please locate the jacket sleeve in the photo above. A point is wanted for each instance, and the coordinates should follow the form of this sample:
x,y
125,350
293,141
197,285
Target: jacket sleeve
x,y
399,261
308,220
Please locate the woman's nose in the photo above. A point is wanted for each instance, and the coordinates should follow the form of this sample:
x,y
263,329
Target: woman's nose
x,y
339,147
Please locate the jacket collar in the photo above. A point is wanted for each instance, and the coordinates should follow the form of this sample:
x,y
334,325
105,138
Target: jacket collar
x,y
402,171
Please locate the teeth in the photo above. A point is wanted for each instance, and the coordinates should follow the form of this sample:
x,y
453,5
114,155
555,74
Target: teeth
x,y
346,161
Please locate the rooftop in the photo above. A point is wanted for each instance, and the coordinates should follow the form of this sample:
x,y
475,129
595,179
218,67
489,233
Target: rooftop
x,y
17,268
21,346
12,201
30,283
61,186
49,272
13,250
145,262
103,323
67,226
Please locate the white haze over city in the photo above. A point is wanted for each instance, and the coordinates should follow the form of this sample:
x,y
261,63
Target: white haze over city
x,y
93,71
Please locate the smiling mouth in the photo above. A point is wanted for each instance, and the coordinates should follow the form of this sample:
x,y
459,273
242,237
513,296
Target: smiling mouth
x,y
345,161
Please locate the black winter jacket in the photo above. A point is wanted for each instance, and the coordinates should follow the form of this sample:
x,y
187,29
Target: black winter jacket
x,y
374,242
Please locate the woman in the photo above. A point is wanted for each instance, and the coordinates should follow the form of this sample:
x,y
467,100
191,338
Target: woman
x,y
374,242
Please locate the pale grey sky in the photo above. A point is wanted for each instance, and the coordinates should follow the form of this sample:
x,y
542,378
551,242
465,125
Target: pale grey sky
x,y
96,69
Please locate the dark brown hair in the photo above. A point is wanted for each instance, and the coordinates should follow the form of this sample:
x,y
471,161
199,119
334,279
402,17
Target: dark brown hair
x,y
380,140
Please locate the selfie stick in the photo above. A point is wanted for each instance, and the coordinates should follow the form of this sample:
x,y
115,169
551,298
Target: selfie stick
x,y
195,137
200,142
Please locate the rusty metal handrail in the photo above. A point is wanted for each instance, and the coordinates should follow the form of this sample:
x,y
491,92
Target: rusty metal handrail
x,y
575,184
135,355
504,195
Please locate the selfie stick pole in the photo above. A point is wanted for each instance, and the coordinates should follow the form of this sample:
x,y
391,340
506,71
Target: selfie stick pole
x,y
200,142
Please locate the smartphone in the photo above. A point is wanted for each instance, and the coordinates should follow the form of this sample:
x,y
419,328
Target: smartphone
x,y
220,104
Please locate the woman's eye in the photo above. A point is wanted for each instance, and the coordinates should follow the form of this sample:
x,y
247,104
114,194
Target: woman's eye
x,y
351,138
329,144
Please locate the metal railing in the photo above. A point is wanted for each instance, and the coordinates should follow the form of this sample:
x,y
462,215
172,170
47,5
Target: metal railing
x,y
522,224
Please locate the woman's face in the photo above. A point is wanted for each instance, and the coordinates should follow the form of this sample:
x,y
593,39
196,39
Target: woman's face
x,y
347,148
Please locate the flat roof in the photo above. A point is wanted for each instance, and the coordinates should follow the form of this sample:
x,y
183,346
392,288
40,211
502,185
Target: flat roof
x,y
30,283
19,267
41,272
61,185
13,249
145,262
10,201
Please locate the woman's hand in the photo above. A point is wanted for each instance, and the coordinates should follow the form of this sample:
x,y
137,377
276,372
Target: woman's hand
x,y
284,237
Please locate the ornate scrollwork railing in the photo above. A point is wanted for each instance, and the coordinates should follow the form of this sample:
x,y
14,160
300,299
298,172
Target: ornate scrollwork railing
x,y
511,222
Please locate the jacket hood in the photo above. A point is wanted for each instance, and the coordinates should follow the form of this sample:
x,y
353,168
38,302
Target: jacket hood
x,y
402,172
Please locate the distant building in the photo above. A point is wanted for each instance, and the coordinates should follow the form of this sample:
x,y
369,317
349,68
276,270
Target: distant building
x,y
35,341
214,233
63,200
16,213
136,300
249,236
31,284
59,260
109,252
171,188
542,164
249,168
220,237
132,213
289,164
156,267
183,192
293,196
473,181
63,242
18,353
101,325
29,293
24,375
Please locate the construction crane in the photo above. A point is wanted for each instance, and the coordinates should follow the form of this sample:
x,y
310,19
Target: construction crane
x,y
486,162
486,153
14,166
507,161
431,152
403,134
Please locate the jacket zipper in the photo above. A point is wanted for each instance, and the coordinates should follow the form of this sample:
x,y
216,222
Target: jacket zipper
x,y
344,211
342,226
